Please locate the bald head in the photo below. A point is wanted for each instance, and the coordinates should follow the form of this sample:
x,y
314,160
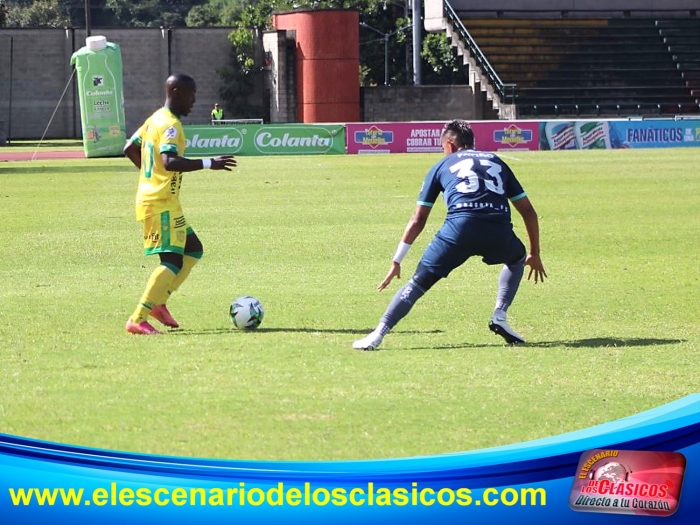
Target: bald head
x,y
180,92
178,81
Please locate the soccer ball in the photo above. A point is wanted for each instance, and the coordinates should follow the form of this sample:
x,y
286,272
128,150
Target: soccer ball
x,y
246,313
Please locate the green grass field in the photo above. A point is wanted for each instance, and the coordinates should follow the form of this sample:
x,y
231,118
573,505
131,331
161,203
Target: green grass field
x,y
613,332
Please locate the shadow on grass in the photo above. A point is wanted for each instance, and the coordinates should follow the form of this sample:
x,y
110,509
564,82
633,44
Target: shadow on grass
x,y
609,342
352,331
595,342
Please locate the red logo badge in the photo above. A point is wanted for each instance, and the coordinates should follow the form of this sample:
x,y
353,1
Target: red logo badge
x,y
628,482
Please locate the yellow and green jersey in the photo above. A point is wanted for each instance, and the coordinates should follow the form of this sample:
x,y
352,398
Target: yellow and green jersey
x,y
159,190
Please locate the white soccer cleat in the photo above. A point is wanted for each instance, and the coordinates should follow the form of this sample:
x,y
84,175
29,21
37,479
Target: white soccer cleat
x,y
498,325
369,342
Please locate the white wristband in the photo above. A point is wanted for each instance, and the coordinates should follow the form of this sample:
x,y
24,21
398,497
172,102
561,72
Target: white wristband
x,y
401,252
206,164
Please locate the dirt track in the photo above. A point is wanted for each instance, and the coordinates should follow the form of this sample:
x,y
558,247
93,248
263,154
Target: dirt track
x,y
12,156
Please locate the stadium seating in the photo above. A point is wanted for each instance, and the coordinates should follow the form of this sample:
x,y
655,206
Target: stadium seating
x,y
682,36
595,66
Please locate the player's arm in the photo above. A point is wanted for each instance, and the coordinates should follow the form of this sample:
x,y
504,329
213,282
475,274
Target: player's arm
x,y
429,192
132,149
532,225
133,152
416,223
173,162
413,229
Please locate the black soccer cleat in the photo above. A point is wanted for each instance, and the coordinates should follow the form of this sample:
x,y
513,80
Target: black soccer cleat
x,y
502,328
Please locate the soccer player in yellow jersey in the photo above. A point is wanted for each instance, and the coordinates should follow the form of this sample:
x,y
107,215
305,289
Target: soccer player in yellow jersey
x,y
157,149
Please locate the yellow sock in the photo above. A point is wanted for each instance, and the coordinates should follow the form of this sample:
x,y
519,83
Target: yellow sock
x,y
156,292
187,265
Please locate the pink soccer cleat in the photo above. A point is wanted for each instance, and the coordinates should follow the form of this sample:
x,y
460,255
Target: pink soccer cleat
x,y
160,313
143,328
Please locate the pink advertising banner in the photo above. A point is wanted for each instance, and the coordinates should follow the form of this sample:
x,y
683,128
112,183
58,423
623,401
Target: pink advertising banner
x,y
394,137
506,135
424,137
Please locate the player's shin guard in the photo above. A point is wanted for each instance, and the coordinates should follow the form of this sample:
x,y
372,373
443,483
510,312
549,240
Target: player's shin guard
x,y
156,292
401,304
188,262
508,284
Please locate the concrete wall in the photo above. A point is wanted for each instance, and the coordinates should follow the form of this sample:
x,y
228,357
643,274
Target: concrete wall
x,y
280,52
41,71
402,103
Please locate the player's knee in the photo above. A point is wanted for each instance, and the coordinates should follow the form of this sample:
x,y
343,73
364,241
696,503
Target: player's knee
x,y
521,257
518,262
172,260
424,278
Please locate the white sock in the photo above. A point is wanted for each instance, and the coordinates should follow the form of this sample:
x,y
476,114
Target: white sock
x,y
499,314
382,329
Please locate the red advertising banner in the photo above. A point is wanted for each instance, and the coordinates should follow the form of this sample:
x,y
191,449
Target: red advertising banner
x,y
424,137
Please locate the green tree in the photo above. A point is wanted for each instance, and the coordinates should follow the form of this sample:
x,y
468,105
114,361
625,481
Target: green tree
x,y
60,13
392,17
223,13
101,15
152,13
445,66
243,78
39,13
203,16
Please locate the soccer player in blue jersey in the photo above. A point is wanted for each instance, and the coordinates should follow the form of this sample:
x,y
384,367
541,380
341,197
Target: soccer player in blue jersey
x,y
477,187
157,149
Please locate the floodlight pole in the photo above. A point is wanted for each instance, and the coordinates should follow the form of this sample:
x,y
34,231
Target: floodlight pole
x,y
385,36
386,59
9,113
87,18
417,65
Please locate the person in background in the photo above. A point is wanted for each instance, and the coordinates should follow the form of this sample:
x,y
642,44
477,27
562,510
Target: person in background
x,y
157,149
477,187
217,113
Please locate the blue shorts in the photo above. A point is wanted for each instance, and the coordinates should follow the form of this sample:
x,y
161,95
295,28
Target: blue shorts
x,y
462,237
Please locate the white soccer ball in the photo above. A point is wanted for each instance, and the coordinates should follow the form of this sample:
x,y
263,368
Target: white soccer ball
x,y
246,313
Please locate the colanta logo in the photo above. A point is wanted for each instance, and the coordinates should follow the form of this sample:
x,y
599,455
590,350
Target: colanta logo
x,y
98,93
231,140
288,139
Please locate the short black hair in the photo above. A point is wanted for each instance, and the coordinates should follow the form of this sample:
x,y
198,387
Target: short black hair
x,y
461,131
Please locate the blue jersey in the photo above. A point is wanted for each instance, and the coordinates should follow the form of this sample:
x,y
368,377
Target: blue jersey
x,y
474,183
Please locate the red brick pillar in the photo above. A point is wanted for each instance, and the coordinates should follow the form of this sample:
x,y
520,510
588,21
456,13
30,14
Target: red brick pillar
x,y
327,63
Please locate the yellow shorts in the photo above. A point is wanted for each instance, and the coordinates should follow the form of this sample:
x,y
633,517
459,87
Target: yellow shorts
x,y
165,232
